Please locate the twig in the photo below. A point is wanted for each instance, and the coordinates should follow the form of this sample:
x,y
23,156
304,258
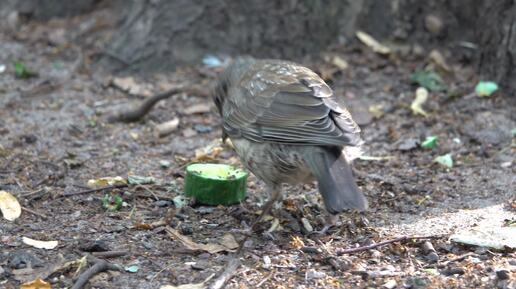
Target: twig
x,y
110,254
30,193
137,113
456,259
35,213
227,274
264,279
100,265
376,245
88,191
148,190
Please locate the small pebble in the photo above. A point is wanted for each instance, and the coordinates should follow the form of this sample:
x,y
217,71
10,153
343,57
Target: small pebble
x,y
434,24
162,203
164,164
407,144
313,274
390,284
502,274
427,247
186,229
200,128
311,250
147,245
266,262
248,244
200,265
205,210
375,254
306,224
453,271
432,257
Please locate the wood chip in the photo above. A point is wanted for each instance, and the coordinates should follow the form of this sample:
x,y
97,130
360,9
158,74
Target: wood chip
x,y
166,128
198,108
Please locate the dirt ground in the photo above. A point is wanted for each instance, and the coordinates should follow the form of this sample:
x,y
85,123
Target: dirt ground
x,y
55,136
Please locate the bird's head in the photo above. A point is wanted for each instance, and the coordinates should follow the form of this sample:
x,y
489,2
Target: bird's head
x,y
227,80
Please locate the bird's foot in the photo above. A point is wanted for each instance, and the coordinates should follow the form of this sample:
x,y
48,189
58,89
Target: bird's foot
x,y
323,231
330,222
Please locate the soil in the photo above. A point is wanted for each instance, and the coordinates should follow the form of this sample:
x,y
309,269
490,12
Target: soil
x,y
55,136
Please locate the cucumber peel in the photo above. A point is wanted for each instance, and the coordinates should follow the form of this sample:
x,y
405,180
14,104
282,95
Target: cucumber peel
x,y
215,184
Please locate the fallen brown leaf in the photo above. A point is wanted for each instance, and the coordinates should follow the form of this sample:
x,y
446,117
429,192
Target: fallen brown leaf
x,y
228,241
36,284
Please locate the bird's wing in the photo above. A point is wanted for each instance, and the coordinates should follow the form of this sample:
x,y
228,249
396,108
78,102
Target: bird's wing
x,y
285,103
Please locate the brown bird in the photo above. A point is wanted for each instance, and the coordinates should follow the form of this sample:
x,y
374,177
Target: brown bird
x,y
287,127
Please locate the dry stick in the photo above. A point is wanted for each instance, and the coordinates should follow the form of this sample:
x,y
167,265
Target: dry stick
x,y
144,108
456,259
35,213
110,254
100,265
93,190
376,245
227,274
264,280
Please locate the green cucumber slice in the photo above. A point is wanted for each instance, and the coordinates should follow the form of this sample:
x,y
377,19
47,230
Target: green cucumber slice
x,y
215,184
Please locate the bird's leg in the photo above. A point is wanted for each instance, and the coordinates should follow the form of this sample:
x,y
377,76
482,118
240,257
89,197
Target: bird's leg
x,y
274,196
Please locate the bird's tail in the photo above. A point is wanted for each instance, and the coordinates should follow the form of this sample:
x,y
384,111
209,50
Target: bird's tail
x,y
335,179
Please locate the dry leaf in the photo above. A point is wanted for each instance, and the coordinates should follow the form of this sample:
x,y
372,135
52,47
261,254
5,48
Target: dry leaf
x,y
49,245
229,242
297,243
274,226
9,206
209,152
376,110
372,43
36,284
437,58
129,84
339,62
421,97
198,108
191,245
29,273
106,181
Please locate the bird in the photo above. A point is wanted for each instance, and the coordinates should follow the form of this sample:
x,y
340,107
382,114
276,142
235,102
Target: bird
x,y
287,126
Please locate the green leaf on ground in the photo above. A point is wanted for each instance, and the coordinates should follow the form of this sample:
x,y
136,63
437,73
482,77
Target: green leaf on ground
x,y
430,142
22,71
486,88
444,160
428,79
131,269
112,202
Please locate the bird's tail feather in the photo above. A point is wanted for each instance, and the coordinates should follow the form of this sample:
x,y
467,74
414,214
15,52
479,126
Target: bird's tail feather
x,y
336,182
